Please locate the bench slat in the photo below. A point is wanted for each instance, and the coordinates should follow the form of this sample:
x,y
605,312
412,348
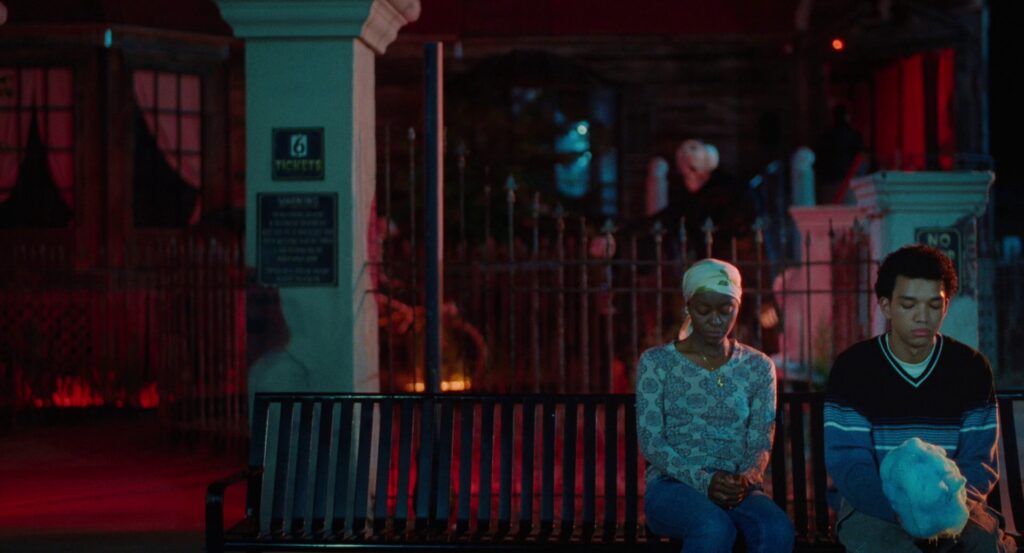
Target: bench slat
x,y
529,410
404,454
466,430
362,484
1011,464
569,469
547,484
442,490
631,474
821,517
589,468
283,484
257,450
326,428
341,488
425,465
796,433
383,473
486,465
305,446
505,490
611,470
779,481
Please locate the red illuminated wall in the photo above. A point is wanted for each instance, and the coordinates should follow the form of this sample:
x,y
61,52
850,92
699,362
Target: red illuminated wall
x,y
914,125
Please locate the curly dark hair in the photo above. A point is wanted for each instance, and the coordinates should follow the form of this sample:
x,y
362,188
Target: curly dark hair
x,y
916,261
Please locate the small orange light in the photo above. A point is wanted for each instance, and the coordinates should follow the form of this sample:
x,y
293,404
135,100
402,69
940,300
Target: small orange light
x,y
838,44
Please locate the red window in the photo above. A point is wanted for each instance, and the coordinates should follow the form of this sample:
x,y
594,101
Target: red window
x,y
37,111
170,105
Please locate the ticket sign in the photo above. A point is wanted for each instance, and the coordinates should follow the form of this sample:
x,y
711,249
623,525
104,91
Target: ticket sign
x,y
298,154
946,240
297,239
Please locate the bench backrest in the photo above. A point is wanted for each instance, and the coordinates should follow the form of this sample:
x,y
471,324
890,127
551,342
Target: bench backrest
x,y
328,459
568,465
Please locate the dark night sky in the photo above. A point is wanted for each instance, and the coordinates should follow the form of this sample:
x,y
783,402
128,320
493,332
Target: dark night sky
x,y
1007,113
1007,93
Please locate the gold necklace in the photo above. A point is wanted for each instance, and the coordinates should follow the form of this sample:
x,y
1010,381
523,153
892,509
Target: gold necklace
x,y
720,381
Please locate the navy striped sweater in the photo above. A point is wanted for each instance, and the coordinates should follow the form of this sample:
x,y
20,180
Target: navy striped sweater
x,y
872,406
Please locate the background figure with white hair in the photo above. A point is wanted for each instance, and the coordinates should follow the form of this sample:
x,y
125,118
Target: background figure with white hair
x,y
698,190
705,421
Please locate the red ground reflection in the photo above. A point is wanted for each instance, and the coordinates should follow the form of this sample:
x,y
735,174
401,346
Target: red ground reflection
x,y
112,478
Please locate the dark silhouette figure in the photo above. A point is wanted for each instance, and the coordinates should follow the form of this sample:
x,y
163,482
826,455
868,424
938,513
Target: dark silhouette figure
x,y
836,152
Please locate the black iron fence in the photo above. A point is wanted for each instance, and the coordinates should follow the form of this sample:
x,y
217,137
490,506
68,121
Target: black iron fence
x,y
163,330
538,298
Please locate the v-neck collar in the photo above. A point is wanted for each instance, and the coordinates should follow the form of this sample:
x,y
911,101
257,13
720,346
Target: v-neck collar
x,y
733,356
883,344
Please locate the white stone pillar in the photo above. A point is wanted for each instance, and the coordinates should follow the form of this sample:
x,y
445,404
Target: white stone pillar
x,y
904,207
310,64
807,318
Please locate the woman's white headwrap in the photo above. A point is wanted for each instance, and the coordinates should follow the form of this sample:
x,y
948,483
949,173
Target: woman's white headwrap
x,y
711,275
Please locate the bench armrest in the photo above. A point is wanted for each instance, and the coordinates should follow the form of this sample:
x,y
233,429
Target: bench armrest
x,y
215,506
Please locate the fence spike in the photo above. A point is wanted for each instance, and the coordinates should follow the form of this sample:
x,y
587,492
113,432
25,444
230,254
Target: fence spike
x,y
609,227
658,229
709,236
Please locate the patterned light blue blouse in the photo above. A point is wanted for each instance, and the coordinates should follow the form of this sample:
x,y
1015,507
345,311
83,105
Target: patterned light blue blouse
x,y
692,422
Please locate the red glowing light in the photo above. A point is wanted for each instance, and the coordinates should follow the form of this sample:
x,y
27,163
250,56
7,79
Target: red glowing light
x,y
838,44
74,391
149,396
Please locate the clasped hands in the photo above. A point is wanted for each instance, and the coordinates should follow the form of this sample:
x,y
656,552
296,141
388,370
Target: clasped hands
x,y
727,490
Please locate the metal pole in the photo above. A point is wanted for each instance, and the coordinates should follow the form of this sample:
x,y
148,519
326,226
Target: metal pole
x,y
486,297
535,295
659,311
433,125
414,252
759,252
560,315
609,230
510,201
809,329
833,269
709,236
385,268
584,311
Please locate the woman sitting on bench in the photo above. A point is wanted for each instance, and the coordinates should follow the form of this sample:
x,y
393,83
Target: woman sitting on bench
x,y
705,417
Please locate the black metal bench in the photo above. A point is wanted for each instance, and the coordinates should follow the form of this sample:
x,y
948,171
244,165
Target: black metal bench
x,y
489,474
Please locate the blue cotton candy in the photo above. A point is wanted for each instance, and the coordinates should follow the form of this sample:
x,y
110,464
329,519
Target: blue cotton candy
x,y
925,489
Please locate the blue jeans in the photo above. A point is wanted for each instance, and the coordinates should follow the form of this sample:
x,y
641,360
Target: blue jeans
x,y
678,511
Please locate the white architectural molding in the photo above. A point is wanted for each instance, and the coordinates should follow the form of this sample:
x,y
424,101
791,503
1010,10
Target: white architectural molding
x,y
900,203
962,192
375,22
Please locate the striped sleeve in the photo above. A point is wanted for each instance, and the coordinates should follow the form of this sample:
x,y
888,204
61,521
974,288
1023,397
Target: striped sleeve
x,y
849,451
650,421
977,446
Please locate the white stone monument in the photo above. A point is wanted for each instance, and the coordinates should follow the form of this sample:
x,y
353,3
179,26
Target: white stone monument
x,y
937,208
309,68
